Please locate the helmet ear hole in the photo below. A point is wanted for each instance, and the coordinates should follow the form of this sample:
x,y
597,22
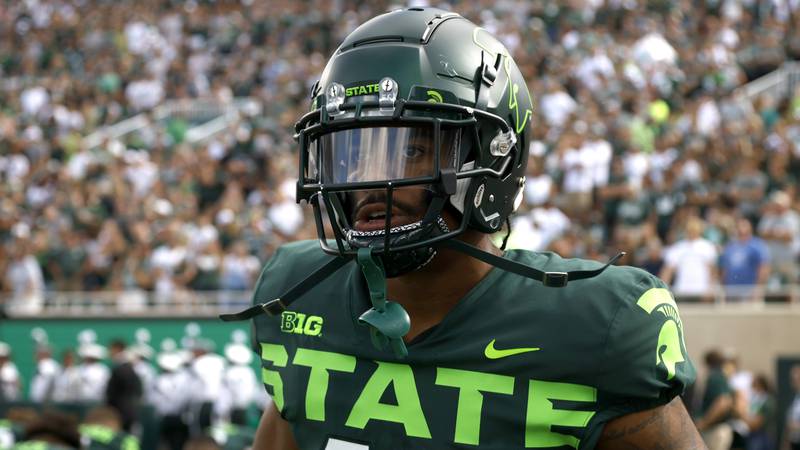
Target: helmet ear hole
x,y
491,207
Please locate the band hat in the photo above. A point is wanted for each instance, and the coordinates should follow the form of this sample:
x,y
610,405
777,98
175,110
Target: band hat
x,y
170,361
238,354
142,350
92,350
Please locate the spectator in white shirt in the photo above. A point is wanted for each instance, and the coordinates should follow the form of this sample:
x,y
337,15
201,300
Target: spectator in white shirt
x,y
551,222
170,255
595,70
240,381
68,383
171,395
202,233
286,215
239,268
14,167
207,371
43,384
538,183
141,354
577,163
602,153
24,277
9,375
34,100
140,172
536,230
169,265
145,93
557,105
637,164
690,263
663,158
708,118
94,374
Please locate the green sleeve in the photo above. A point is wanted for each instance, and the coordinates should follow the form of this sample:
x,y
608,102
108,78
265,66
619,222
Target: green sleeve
x,y
644,363
645,356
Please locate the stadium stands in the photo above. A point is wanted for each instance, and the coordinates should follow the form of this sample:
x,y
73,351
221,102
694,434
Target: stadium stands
x,y
147,164
642,123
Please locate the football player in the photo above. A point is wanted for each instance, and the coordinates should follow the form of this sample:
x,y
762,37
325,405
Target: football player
x,y
409,328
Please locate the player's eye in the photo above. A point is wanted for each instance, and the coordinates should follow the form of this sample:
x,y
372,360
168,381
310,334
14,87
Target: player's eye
x,y
413,152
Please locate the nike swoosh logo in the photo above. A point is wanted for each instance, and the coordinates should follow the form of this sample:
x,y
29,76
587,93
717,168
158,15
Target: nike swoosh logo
x,y
493,353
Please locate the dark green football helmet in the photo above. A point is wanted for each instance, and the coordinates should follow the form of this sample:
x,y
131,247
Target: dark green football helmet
x,y
416,100
417,132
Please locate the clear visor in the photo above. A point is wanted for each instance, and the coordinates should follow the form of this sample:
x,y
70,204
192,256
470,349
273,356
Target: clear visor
x,y
380,154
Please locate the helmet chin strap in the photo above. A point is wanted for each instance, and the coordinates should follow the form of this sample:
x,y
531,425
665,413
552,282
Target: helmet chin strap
x,y
549,279
387,320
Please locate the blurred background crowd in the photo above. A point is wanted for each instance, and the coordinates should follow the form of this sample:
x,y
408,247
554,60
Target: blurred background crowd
x,y
126,395
739,409
639,144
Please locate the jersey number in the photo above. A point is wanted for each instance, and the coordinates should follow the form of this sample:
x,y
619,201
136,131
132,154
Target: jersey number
x,y
338,444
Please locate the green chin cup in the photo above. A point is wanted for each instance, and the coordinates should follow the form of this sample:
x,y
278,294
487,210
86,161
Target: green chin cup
x,y
387,320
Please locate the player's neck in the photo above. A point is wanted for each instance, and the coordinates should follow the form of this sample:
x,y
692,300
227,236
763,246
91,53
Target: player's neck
x,y
430,293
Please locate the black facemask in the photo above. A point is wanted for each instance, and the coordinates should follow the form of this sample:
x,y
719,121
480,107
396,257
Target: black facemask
x,y
398,263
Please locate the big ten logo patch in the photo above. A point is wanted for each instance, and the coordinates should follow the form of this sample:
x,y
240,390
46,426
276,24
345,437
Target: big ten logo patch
x,y
299,323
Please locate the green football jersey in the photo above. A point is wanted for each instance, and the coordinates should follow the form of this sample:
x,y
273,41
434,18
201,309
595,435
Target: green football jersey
x,y
514,364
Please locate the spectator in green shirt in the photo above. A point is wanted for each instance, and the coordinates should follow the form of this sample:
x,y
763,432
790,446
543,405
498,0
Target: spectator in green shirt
x,y
716,405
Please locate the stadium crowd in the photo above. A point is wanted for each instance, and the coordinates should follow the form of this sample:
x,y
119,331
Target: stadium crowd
x,y
639,143
119,393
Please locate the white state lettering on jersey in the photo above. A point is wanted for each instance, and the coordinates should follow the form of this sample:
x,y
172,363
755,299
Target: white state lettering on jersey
x,y
336,444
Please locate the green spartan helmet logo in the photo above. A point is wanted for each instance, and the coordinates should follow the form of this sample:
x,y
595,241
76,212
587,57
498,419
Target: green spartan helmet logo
x,y
669,352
